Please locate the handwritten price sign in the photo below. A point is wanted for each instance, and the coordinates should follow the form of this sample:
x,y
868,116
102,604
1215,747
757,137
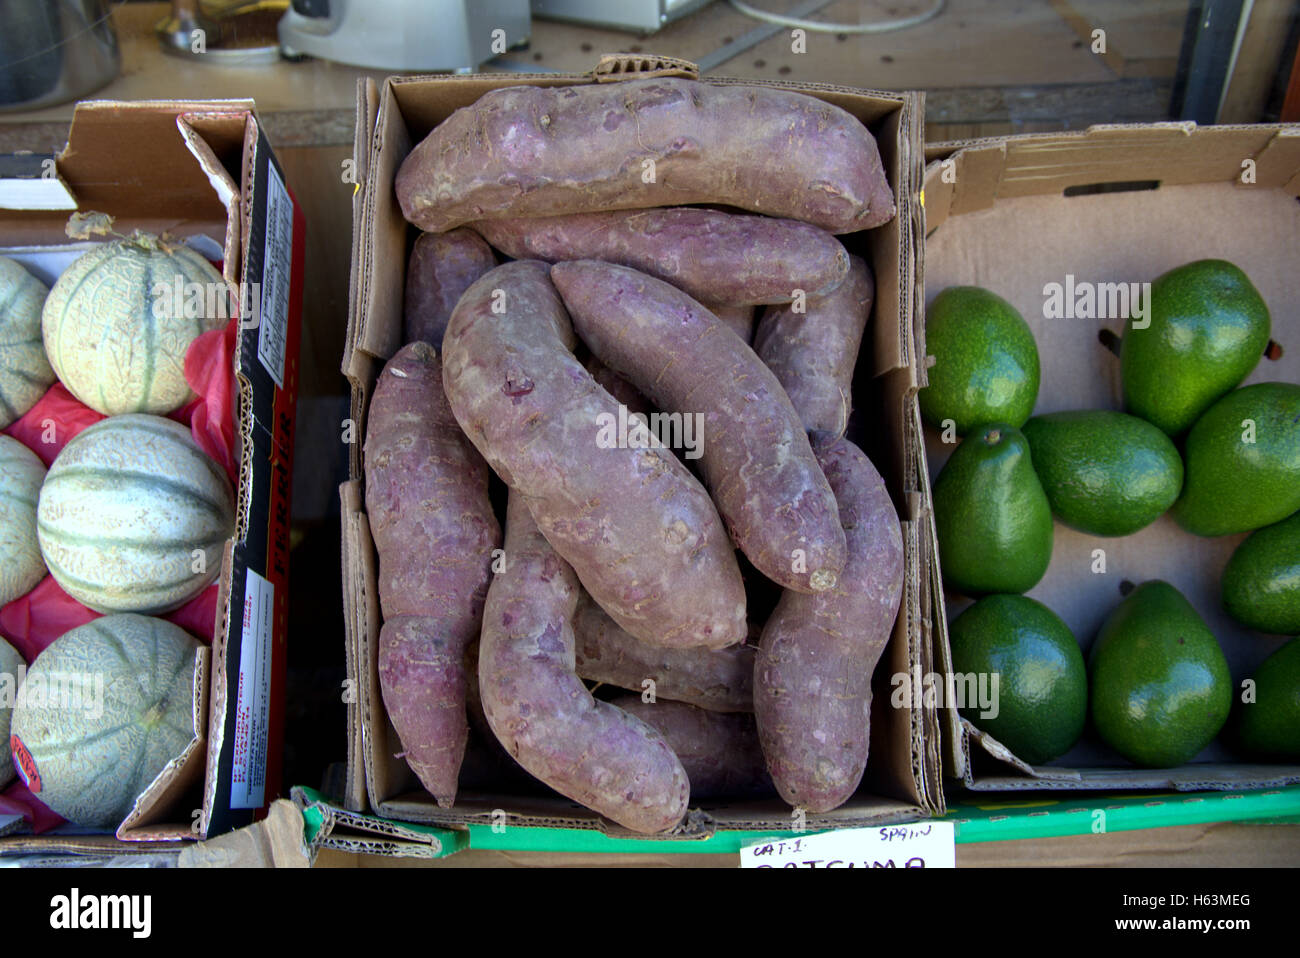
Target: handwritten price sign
x,y
918,845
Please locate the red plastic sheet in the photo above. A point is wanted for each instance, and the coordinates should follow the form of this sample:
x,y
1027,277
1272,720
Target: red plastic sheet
x,y
32,621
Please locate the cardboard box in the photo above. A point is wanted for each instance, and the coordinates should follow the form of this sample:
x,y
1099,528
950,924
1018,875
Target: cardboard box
x,y
1114,204
204,171
903,775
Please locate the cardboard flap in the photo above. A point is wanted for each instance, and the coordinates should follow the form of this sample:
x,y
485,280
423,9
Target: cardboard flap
x,y
976,179
328,826
350,505
219,126
613,67
275,842
157,803
366,116
116,160
1179,153
1279,162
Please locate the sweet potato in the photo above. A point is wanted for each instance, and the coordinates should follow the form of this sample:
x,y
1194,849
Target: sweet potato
x,y
541,712
739,319
434,529
813,353
422,680
755,457
721,680
725,258
638,528
812,672
441,268
661,141
720,752
623,391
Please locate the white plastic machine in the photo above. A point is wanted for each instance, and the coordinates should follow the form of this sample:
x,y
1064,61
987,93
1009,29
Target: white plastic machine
x,y
641,16
405,35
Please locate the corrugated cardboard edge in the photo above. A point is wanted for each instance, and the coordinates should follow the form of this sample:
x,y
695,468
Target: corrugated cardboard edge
x,y
967,175
349,831
360,360
218,701
146,822
350,502
223,185
275,842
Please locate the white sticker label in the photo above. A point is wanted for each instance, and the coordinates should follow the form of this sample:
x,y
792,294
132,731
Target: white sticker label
x,y
277,272
253,697
917,845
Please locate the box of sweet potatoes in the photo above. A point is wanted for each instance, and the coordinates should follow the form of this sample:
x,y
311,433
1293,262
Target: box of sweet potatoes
x,y
153,274
630,547
1117,515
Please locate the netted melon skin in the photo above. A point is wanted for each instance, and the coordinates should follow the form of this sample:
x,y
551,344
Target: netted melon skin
x,y
21,476
135,678
11,673
25,372
133,516
119,320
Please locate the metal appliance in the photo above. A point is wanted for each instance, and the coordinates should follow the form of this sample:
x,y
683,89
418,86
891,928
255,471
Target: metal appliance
x,y
239,33
405,35
52,51
641,16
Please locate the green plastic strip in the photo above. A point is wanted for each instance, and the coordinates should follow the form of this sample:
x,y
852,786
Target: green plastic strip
x,y
976,820
999,819
312,820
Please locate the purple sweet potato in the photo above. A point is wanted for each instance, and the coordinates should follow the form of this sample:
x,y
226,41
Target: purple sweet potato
x,y
638,528
813,353
441,268
721,680
720,752
725,258
434,529
756,458
661,141
812,672
623,391
739,319
422,680
538,708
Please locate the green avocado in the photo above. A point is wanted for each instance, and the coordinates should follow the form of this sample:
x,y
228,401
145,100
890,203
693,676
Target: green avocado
x,y
1160,685
1208,329
993,521
1104,472
1270,725
1242,462
985,361
1261,582
1040,703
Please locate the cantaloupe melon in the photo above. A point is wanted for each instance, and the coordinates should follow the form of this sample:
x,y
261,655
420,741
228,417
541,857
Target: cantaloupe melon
x,y
133,516
21,475
101,713
119,320
25,372
11,676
